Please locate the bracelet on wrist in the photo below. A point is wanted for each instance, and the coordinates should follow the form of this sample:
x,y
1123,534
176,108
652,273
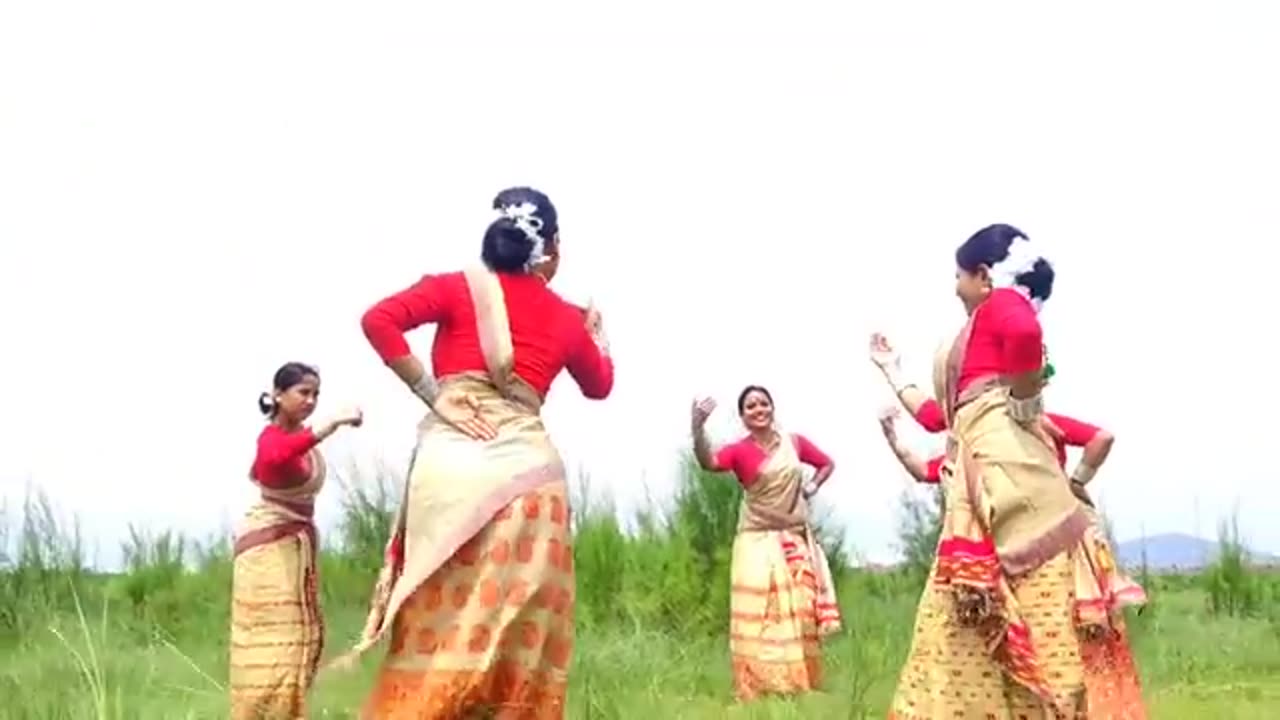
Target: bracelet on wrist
x,y
426,389
1083,473
894,376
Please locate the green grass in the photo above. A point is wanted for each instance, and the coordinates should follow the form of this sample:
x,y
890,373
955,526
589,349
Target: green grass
x,y
152,642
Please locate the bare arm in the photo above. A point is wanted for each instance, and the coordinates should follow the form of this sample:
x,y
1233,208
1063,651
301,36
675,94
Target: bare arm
x,y
702,450
413,373
698,415
912,398
1095,453
912,463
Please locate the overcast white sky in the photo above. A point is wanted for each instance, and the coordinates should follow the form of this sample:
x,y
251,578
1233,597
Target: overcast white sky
x,y
191,194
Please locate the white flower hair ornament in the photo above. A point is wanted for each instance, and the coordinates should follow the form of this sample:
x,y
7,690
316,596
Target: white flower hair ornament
x,y
1022,259
525,216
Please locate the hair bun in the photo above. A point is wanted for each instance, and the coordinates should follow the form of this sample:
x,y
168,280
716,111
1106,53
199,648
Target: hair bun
x,y
506,247
266,403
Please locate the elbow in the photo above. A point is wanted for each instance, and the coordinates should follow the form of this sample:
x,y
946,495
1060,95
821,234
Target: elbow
x,y
372,323
598,392
599,382
1103,441
384,336
704,461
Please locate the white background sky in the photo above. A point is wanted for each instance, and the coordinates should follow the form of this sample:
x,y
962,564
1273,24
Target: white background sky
x,y
191,194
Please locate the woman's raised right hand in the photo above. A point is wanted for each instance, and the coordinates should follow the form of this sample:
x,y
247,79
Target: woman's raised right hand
x,y
700,411
883,353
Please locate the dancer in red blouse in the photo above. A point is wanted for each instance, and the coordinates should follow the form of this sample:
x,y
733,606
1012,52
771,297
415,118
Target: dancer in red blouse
x,y
782,599
1102,589
277,631
995,633
477,592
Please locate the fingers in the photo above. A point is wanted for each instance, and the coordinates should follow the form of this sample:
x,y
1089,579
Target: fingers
x,y
480,429
473,426
477,428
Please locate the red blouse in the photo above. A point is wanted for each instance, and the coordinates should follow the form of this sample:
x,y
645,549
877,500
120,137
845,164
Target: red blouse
x,y
745,457
1005,339
1075,433
282,460
547,334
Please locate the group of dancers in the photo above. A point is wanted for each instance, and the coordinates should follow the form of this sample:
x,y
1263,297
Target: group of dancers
x,y
1019,618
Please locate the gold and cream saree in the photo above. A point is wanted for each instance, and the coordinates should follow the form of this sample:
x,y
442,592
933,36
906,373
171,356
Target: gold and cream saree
x,y
995,634
782,598
277,630
477,594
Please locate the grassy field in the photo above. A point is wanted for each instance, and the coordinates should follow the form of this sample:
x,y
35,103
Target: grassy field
x,y
652,606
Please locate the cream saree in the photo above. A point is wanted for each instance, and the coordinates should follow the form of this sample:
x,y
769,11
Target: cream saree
x,y
477,594
995,631
1102,590
277,631
782,598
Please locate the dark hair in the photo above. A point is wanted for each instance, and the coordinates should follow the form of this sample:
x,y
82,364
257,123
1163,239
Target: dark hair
x,y
742,396
507,245
990,246
289,374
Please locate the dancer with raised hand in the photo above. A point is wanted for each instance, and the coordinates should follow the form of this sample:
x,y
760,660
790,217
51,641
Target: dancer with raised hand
x,y
995,632
478,590
782,595
1102,589
277,629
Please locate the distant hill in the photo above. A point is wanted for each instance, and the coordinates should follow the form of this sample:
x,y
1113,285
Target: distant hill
x,y
1171,551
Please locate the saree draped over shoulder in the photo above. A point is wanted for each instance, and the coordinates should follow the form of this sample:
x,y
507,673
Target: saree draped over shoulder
x,y
477,593
995,634
782,597
277,630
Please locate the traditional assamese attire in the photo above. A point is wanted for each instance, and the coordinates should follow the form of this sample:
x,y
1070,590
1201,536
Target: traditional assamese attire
x,y
995,631
478,590
277,630
1102,589
782,595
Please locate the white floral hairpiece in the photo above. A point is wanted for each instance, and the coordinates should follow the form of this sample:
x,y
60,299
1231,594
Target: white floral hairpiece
x,y
525,217
1022,259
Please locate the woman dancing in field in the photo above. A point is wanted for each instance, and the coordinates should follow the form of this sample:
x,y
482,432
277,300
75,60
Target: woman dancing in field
x,y
277,632
478,590
782,599
1102,590
994,634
